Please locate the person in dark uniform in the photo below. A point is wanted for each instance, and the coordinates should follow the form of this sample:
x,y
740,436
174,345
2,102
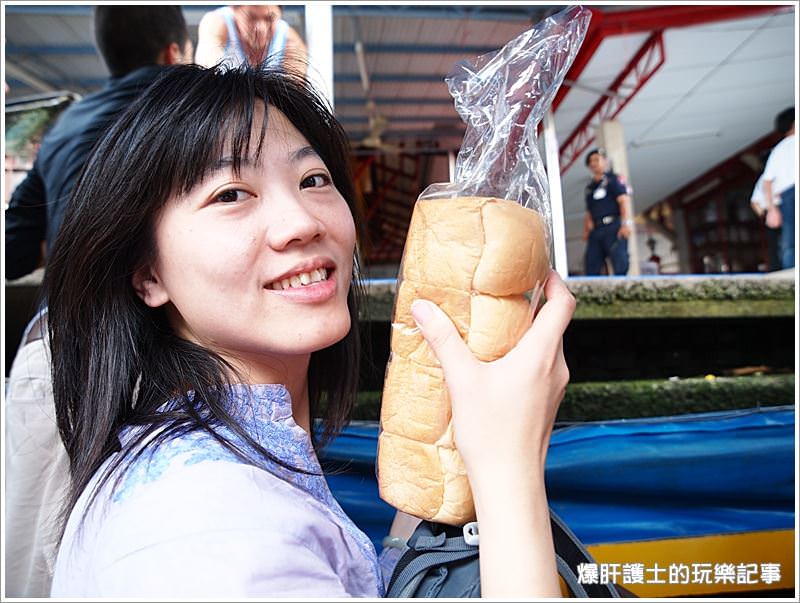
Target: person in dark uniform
x,y
608,220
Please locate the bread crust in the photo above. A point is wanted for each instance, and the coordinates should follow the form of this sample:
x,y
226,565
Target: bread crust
x,y
479,259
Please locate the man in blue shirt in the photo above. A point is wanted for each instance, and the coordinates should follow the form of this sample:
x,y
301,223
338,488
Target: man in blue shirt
x,y
608,221
136,42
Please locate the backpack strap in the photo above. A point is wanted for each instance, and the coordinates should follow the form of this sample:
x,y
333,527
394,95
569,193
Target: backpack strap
x,y
570,551
571,580
428,550
405,582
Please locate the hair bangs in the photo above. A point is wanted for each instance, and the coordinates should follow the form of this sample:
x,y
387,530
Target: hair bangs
x,y
214,121
212,114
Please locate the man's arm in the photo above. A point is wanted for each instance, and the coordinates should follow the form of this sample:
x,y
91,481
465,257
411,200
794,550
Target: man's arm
x,y
26,226
588,225
624,202
212,37
774,216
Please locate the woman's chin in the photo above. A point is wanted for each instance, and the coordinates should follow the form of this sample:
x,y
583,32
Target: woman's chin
x,y
313,339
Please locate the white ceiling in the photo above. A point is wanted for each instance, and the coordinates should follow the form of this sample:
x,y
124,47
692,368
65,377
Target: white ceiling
x,y
727,80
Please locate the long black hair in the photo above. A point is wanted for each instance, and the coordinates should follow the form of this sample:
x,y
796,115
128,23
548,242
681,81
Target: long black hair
x,y
115,361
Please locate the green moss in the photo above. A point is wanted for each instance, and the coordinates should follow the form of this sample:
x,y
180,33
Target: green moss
x,y
678,297
650,398
683,308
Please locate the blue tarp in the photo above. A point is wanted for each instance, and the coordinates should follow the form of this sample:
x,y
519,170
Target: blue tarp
x,y
628,480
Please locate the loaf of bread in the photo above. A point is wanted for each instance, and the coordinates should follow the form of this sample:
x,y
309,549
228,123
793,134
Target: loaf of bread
x,y
476,258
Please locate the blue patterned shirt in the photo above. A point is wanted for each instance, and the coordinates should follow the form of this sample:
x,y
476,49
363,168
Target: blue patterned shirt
x,y
190,518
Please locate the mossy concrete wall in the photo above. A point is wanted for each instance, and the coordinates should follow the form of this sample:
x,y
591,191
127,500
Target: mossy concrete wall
x,y
650,398
683,296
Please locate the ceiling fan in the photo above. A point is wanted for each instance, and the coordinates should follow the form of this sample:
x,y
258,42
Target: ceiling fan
x,y
378,123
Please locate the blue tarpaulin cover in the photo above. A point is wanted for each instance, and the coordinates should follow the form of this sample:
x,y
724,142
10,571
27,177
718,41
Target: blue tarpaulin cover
x,y
630,479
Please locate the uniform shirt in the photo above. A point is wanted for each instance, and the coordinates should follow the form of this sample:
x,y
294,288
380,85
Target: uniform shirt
x,y
601,196
36,208
780,165
189,519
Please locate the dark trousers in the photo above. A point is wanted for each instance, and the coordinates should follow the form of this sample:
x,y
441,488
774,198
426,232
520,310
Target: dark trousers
x,y
787,234
603,243
774,248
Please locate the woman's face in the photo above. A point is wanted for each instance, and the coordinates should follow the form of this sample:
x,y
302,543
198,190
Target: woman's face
x,y
257,267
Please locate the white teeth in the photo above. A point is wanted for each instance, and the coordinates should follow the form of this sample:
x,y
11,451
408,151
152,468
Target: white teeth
x,y
302,279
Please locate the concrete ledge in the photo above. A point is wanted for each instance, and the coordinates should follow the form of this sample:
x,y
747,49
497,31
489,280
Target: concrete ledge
x,y
684,296
598,401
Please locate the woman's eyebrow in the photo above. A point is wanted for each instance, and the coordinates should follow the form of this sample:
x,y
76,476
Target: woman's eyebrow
x,y
303,153
228,162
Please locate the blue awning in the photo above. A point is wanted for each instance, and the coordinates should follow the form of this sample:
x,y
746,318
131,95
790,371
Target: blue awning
x,y
629,480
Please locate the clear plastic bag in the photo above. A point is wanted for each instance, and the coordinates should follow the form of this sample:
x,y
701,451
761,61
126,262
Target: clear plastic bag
x,y
502,97
479,247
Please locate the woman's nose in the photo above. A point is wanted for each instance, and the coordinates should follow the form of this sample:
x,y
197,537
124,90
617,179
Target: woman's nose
x,y
292,222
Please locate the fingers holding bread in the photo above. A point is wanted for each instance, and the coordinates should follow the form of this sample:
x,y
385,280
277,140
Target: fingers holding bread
x,y
551,320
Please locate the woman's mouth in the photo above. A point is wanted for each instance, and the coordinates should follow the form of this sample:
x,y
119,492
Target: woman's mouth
x,y
318,285
304,279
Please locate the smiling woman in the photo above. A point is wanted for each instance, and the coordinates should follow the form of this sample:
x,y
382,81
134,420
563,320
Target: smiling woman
x,y
190,210
258,226
202,306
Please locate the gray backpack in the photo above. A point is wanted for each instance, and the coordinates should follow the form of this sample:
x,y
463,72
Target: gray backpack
x,y
442,561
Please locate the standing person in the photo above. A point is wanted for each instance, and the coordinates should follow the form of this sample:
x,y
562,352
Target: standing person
x,y
608,221
252,34
136,42
223,309
759,205
779,181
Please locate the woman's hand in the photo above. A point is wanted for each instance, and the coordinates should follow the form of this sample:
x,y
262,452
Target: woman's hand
x,y
503,411
503,415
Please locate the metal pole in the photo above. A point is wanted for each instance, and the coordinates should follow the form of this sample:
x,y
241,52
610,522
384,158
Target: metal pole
x,y
611,136
451,165
319,40
556,201
15,71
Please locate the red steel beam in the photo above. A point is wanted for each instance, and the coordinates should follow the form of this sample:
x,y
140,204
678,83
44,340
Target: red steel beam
x,y
644,64
656,18
666,17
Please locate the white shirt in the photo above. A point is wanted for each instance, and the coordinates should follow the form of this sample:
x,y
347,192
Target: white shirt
x,y
781,165
757,196
36,473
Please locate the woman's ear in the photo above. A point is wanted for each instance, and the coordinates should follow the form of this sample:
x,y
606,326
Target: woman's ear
x,y
149,288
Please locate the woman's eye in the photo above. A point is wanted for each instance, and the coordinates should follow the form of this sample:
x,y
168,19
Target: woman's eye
x,y
315,181
231,195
